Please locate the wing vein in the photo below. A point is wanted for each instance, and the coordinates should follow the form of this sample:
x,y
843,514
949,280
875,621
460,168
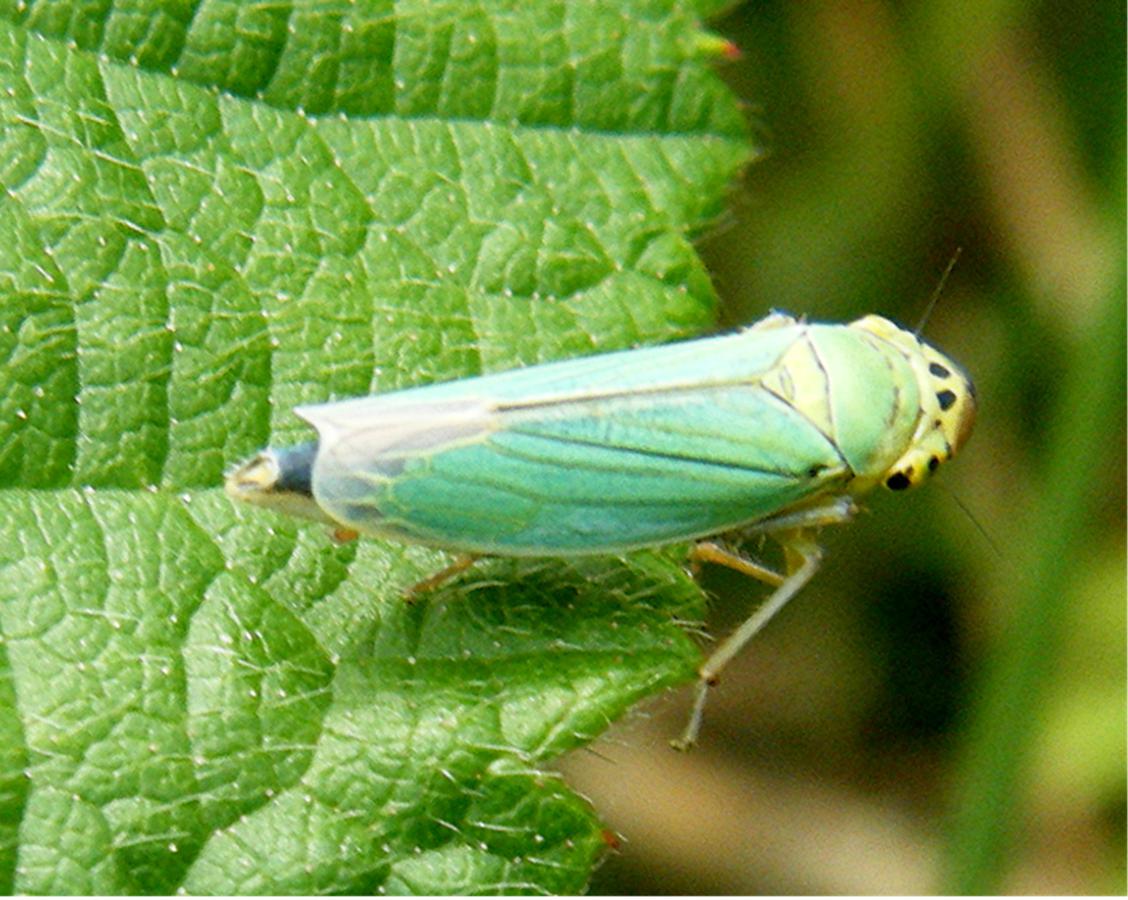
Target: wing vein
x,y
638,451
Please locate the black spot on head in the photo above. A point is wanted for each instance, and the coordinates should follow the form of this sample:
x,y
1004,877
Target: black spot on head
x,y
938,370
933,464
946,398
898,481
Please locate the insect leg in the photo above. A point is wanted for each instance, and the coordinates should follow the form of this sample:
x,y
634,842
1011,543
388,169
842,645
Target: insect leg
x,y
829,511
710,552
344,535
461,564
803,556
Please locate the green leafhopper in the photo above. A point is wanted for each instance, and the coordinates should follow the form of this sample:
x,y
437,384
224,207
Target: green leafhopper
x,y
775,429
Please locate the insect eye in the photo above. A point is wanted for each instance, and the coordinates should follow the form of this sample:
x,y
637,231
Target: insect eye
x,y
898,481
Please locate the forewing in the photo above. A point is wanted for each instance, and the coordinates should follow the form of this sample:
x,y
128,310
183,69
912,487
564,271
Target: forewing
x,y
584,462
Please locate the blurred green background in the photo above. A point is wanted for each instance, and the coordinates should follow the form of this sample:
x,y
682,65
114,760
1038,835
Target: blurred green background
x,y
943,709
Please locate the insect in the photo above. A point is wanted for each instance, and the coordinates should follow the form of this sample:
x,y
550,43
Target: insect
x,y
776,429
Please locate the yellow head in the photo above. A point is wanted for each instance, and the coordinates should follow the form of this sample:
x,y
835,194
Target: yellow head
x,y
947,406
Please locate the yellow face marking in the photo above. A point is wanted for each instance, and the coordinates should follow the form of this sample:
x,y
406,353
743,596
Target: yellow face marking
x,y
947,407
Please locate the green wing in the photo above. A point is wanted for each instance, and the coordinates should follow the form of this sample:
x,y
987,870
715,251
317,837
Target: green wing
x,y
591,455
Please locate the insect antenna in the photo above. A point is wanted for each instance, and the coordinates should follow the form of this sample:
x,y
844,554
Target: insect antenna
x,y
975,521
935,298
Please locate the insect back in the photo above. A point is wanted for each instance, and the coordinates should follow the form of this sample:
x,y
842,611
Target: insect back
x,y
775,429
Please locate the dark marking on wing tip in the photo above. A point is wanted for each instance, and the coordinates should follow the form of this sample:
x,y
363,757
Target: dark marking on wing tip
x,y
898,481
946,398
295,469
816,470
938,370
933,463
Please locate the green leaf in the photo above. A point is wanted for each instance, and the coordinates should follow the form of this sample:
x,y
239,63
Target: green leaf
x,y
212,215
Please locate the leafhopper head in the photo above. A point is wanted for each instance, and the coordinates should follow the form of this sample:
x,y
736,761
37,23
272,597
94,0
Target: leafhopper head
x,y
947,405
